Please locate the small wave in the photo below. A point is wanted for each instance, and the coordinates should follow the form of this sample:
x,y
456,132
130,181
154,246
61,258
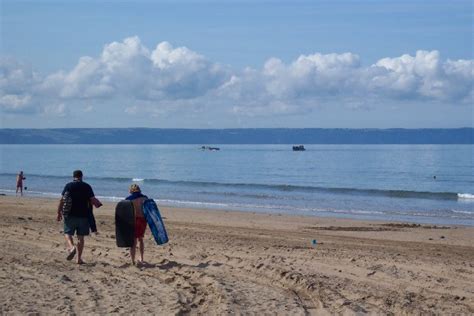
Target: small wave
x,y
49,194
287,188
110,198
240,195
351,211
315,189
31,193
463,212
192,203
7,191
87,177
466,196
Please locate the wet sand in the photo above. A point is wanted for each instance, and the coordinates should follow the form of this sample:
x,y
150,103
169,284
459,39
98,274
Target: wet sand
x,y
221,262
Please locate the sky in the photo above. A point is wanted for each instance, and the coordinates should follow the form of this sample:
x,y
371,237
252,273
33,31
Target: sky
x,y
236,64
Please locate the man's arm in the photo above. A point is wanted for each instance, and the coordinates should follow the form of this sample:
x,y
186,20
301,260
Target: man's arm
x,y
95,202
60,210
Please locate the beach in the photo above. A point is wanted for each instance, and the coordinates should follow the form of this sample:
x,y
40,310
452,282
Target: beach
x,y
227,262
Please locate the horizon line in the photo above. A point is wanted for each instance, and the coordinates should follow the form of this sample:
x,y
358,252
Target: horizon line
x,y
239,128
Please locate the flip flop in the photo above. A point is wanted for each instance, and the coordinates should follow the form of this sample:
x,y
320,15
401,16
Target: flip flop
x,y
71,254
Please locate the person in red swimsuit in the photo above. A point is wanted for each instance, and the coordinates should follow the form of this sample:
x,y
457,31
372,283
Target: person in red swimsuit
x,y
19,182
137,199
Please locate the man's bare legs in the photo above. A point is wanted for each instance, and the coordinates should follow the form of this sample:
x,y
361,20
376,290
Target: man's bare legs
x,y
79,248
21,191
70,242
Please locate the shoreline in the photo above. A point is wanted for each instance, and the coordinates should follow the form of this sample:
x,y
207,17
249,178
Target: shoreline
x,y
222,262
343,217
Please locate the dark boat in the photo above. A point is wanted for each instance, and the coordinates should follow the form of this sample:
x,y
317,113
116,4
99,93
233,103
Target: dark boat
x,y
209,148
299,148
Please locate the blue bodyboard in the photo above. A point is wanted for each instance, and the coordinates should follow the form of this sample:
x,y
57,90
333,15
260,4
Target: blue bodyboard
x,y
153,218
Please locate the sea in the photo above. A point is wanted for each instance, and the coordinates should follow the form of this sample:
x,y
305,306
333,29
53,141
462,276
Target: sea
x,y
430,184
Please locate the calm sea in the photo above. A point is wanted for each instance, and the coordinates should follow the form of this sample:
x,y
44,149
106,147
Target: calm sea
x,y
383,182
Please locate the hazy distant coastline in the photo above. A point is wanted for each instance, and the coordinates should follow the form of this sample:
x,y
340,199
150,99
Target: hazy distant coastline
x,y
237,136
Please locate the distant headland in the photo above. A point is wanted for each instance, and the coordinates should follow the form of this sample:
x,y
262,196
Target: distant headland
x,y
237,136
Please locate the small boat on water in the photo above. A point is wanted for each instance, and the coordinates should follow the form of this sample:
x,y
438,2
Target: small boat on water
x,y
299,148
209,148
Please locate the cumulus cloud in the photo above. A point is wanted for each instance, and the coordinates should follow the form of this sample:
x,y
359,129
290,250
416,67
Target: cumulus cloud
x,y
83,82
13,101
312,79
17,80
423,75
58,110
129,69
166,77
182,73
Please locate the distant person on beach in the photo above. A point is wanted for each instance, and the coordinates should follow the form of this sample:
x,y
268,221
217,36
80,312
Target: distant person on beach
x,y
19,183
74,207
137,199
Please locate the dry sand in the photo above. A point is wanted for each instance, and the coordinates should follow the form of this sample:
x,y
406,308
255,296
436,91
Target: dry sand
x,y
221,262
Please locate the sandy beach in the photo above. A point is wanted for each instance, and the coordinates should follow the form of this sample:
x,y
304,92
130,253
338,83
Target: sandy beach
x,y
222,262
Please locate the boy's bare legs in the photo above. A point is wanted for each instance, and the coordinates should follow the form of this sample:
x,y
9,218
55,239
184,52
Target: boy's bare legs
x,y
142,248
80,247
133,250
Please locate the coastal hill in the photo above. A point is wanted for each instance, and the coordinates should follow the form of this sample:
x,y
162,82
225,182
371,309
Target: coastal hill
x,y
236,136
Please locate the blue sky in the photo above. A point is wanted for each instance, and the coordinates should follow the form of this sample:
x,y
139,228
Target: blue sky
x,y
217,64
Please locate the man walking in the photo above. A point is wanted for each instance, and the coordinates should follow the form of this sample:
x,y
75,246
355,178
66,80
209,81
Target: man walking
x,y
77,196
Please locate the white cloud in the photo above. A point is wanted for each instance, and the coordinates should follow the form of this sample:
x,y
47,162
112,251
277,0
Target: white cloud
x,y
340,78
13,101
131,110
181,73
129,69
311,75
16,84
15,77
424,75
85,81
272,108
168,78
58,110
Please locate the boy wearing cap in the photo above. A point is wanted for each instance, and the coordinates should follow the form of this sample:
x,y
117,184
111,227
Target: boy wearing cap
x,y
137,199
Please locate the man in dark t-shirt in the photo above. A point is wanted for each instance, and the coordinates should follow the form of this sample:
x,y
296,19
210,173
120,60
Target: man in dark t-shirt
x,y
77,198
